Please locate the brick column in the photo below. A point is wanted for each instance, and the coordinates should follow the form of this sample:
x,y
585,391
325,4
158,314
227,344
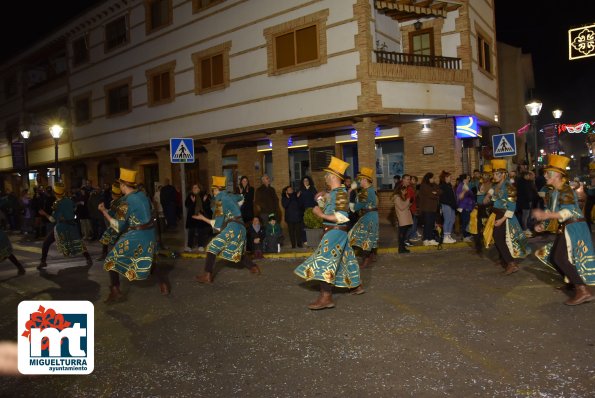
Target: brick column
x,y
92,172
280,175
366,151
214,159
164,164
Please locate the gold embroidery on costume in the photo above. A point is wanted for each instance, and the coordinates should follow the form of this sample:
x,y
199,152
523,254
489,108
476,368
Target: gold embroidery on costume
x,y
362,195
218,209
121,211
566,196
342,201
511,189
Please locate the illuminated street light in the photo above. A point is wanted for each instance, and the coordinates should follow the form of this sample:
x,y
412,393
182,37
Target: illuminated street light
x,y
56,131
533,108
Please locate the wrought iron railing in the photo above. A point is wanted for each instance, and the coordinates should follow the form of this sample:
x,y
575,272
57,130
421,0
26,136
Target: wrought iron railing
x,y
388,57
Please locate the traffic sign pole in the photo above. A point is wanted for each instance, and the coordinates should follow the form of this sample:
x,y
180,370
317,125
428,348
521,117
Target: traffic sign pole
x,y
184,211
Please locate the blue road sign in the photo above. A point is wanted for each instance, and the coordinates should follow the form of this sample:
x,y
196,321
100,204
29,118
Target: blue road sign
x,y
181,150
504,145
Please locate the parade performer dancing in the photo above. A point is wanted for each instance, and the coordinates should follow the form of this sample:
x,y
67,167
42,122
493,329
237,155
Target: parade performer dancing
x,y
571,253
364,234
66,232
483,207
333,261
230,243
502,225
116,210
134,251
6,252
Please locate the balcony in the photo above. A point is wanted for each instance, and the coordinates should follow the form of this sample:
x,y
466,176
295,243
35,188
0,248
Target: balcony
x,y
388,57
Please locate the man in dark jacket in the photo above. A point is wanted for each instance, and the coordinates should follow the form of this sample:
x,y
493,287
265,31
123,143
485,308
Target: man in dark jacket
x,y
266,200
168,197
293,216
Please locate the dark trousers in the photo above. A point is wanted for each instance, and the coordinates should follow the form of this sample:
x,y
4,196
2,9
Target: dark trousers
x,y
559,257
429,221
403,230
588,208
193,237
465,217
500,242
482,212
295,234
211,258
169,210
49,239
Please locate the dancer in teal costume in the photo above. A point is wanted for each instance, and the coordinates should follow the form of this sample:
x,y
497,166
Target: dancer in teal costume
x,y
364,233
571,253
333,262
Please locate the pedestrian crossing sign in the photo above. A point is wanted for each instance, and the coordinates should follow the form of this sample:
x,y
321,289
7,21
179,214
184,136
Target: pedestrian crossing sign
x,y
504,145
181,150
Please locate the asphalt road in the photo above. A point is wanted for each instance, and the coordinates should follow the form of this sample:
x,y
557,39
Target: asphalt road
x,y
433,324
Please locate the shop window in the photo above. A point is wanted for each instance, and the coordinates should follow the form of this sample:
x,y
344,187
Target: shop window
x,y
116,33
211,68
158,14
161,84
389,162
80,51
82,109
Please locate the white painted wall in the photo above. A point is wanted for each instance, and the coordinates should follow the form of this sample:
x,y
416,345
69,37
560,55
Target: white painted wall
x,y
414,96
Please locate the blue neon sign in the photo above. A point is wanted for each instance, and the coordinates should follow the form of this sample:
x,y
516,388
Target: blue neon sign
x,y
466,127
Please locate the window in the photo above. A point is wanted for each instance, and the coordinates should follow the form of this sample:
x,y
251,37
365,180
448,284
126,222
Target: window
x,y
198,5
80,51
389,162
421,43
82,109
484,54
117,96
212,68
116,33
297,44
158,13
160,84
10,86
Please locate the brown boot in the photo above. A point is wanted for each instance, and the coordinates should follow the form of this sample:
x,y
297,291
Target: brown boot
x,y
255,269
358,290
511,268
164,288
583,295
367,263
325,300
115,295
206,278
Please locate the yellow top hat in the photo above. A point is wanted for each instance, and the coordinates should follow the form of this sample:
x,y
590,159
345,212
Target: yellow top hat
x,y
218,182
59,188
499,165
366,172
487,168
592,166
127,176
116,188
557,163
337,167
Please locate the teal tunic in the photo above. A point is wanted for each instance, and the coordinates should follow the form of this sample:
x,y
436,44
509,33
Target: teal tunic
x,y
5,246
66,231
333,260
230,243
578,237
132,254
504,198
364,233
110,236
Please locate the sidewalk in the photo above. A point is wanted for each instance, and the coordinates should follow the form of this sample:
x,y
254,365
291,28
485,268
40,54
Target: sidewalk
x,y
387,244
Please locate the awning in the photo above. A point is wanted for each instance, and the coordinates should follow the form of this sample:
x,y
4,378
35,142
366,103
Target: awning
x,y
408,10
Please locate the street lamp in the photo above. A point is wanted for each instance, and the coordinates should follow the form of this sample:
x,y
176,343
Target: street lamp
x,y
56,131
533,108
557,114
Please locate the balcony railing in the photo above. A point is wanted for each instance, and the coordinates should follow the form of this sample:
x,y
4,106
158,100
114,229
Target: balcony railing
x,y
387,57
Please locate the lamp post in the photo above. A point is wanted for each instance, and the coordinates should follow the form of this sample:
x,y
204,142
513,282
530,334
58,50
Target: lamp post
x,y
533,108
557,114
26,134
56,131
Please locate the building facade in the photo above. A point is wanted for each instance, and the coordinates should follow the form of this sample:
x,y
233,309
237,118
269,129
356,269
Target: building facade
x,y
262,86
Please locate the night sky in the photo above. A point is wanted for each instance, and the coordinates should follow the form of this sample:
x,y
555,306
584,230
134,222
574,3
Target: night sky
x,y
536,26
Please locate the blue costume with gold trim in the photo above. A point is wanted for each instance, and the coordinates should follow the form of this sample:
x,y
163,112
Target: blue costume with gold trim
x,y
66,231
364,233
578,237
230,243
132,254
118,211
333,261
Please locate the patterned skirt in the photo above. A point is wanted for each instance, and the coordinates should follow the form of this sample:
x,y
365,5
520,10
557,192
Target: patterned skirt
x,y
68,240
332,262
364,233
109,237
230,243
132,255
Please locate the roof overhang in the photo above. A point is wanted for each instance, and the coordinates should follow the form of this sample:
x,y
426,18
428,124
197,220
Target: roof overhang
x,y
408,10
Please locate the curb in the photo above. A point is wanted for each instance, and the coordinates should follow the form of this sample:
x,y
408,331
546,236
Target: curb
x,y
381,250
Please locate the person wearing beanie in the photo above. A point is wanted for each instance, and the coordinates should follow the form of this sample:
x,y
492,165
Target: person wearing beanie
x,y
66,232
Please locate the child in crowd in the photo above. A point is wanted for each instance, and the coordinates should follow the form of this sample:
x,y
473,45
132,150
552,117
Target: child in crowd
x,y
274,236
256,235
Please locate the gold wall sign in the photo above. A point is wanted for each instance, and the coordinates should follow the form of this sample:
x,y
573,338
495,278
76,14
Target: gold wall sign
x,y
581,42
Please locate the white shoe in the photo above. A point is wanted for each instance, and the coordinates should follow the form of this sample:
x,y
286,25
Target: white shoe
x,y
430,243
448,239
468,239
187,249
415,239
201,249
